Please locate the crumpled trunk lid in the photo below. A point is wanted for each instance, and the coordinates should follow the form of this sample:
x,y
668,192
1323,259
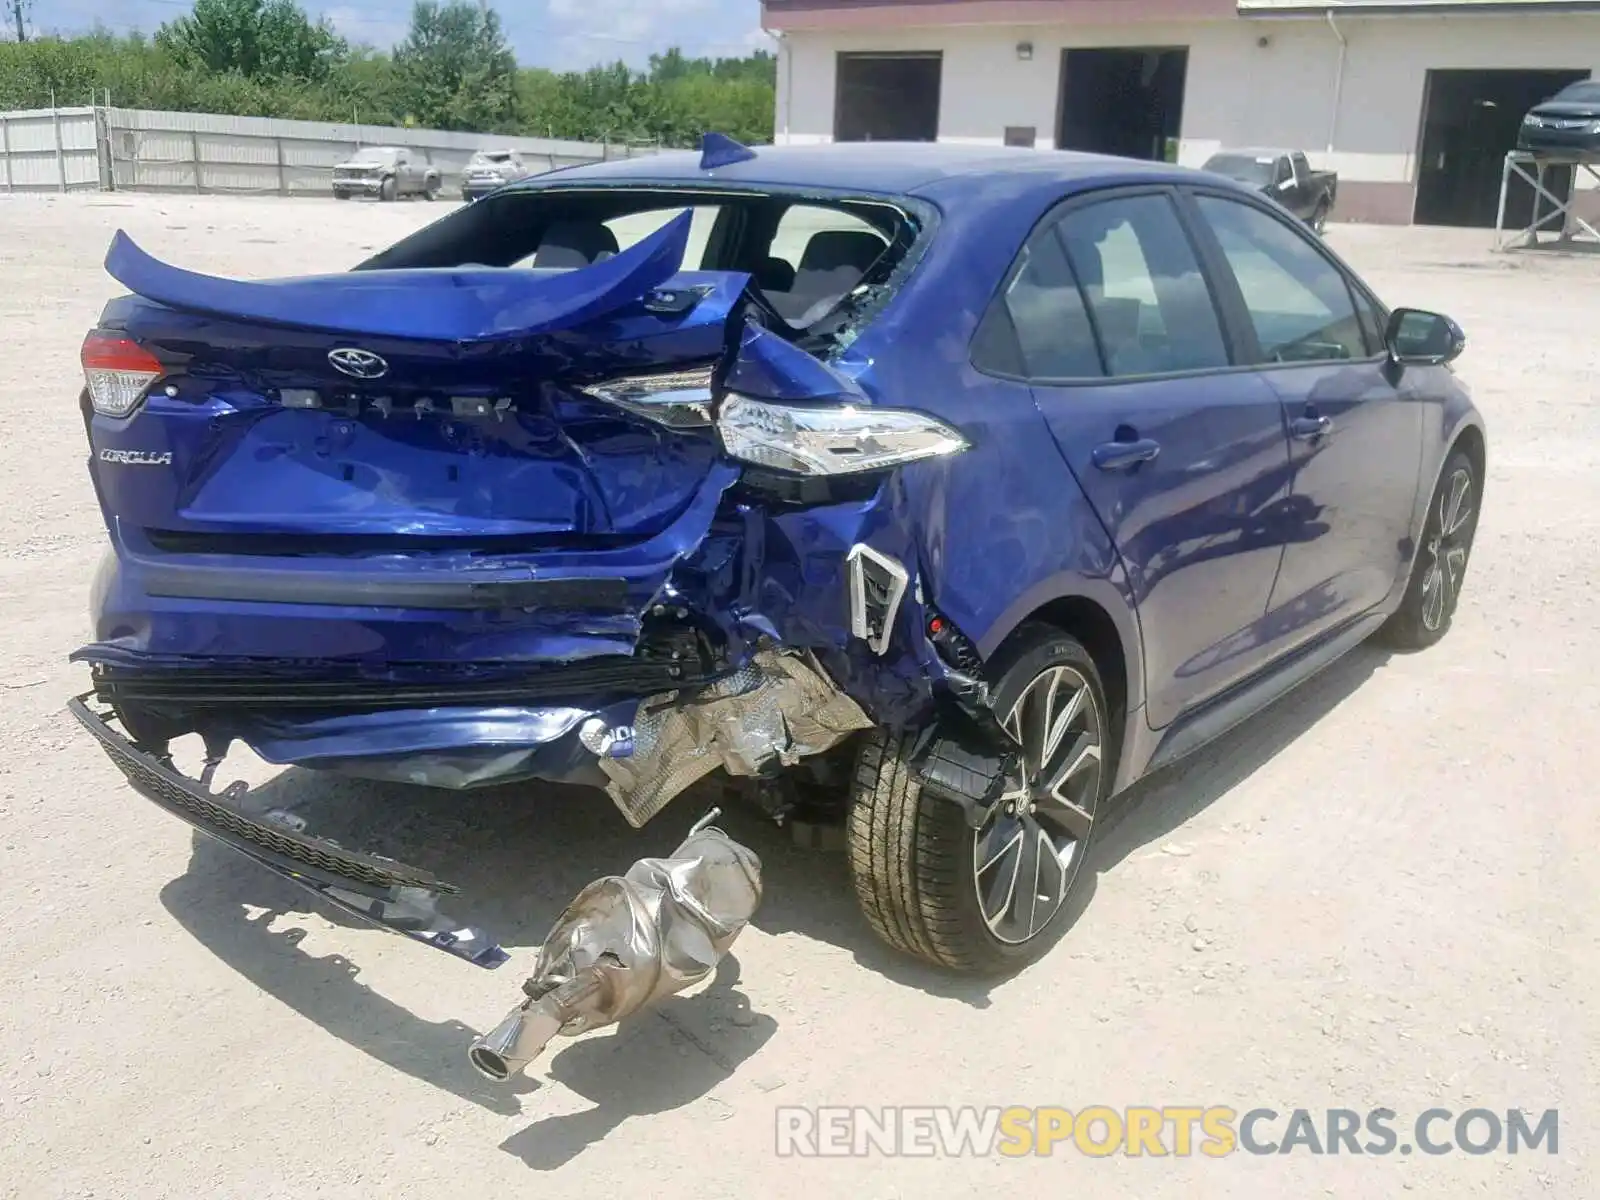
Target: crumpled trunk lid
x,y
396,410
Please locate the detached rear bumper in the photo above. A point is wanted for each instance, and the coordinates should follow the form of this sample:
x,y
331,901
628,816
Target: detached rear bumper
x,y
389,894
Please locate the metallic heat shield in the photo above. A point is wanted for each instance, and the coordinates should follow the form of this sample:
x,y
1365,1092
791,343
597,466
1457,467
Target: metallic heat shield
x,y
626,942
775,711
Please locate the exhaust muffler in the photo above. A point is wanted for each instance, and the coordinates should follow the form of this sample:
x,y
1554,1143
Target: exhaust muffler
x,y
627,942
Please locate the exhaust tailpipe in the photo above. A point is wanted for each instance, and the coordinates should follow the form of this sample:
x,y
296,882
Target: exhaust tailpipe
x,y
626,942
527,1029
511,1045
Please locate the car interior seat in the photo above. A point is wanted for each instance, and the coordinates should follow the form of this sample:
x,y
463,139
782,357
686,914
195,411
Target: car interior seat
x,y
570,244
774,275
1118,317
833,263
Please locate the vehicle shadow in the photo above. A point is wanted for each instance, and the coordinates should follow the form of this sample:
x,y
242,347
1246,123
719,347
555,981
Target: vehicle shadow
x,y
668,1066
519,854
1157,806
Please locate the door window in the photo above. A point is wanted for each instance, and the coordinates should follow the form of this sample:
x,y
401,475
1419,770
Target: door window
x,y
1149,303
1298,301
1045,307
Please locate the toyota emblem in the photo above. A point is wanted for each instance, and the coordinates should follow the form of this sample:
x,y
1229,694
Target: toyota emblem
x,y
358,364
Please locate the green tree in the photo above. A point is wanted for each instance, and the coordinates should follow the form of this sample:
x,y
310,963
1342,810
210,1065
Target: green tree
x,y
438,78
258,39
456,70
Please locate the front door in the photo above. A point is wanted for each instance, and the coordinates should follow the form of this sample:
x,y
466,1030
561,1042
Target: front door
x,y
1181,458
1355,428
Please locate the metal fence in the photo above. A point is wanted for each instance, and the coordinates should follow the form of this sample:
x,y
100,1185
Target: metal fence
x,y
121,149
49,150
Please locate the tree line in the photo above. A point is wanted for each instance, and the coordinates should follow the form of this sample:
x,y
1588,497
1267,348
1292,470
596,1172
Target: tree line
x,y
453,70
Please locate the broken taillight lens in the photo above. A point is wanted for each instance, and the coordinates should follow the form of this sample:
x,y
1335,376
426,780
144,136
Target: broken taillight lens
x,y
831,440
676,399
118,372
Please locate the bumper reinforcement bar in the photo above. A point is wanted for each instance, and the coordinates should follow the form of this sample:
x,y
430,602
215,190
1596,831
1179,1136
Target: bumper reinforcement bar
x,y
386,893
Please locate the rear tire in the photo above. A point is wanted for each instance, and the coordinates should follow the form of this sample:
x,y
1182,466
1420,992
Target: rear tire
x,y
1440,566
931,886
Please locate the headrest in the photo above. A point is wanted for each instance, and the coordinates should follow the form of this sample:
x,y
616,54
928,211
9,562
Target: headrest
x,y
574,244
835,248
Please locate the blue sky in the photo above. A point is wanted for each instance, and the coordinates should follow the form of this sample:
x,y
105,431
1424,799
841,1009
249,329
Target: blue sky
x,y
548,33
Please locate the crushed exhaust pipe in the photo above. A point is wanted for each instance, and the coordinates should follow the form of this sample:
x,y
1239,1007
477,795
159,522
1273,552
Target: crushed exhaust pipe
x,y
627,942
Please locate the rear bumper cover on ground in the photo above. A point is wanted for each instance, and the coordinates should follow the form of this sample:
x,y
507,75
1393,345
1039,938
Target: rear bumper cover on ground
x,y
389,894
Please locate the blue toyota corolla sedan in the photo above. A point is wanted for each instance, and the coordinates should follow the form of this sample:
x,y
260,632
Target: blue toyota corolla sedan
x,y
938,491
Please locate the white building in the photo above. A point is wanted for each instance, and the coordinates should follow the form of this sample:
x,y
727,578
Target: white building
x,y
1413,102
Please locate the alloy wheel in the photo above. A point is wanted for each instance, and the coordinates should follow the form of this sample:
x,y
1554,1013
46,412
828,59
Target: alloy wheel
x,y
1030,847
1447,551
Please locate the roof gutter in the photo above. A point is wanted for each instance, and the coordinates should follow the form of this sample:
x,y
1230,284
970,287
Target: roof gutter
x,y
1338,80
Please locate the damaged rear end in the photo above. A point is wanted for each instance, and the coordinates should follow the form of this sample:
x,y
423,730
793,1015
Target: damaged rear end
x,y
610,522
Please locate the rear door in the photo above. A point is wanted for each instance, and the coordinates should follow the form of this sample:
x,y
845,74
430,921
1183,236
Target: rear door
x,y
1182,457
1355,426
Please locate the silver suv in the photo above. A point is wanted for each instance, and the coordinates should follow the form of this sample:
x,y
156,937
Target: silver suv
x,y
490,169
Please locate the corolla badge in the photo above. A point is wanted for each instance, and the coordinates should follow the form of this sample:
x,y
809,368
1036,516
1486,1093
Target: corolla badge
x,y
137,458
358,364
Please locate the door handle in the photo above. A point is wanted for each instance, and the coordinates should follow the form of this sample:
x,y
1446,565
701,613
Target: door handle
x,y
1124,456
1309,429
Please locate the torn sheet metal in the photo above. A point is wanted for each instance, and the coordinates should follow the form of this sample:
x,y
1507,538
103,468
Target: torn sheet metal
x,y
458,304
627,942
778,709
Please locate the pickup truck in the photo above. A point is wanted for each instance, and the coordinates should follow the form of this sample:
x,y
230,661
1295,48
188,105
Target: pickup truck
x,y
1284,176
387,172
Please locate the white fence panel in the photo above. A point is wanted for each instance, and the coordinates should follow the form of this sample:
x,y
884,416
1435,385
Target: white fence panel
x,y
143,150
49,150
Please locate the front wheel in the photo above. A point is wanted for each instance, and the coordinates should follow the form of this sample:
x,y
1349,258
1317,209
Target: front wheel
x,y
990,899
1319,217
388,189
1440,567
431,192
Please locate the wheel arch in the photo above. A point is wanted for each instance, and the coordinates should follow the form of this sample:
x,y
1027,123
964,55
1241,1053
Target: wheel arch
x,y
1471,440
1098,614
1466,433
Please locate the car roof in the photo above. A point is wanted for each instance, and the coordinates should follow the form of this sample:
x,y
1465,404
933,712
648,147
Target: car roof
x,y
889,168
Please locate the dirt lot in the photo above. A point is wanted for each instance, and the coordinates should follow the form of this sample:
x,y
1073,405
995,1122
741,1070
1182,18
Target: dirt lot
x,y
1378,894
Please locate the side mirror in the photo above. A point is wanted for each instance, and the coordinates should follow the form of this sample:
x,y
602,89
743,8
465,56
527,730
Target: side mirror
x,y
1415,337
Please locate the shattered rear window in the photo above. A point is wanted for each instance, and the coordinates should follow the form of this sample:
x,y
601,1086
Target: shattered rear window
x,y
809,256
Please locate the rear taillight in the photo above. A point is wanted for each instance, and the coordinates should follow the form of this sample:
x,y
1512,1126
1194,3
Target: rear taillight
x,y
830,439
118,372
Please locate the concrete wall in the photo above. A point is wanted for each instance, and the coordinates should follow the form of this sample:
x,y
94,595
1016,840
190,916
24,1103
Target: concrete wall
x,y
1238,93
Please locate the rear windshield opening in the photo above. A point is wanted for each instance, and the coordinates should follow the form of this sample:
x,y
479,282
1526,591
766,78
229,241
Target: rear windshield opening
x,y
806,255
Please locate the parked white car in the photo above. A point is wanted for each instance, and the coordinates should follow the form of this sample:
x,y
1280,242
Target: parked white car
x,y
387,172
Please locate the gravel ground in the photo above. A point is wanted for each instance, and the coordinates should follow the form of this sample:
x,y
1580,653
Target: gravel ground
x,y
1376,894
